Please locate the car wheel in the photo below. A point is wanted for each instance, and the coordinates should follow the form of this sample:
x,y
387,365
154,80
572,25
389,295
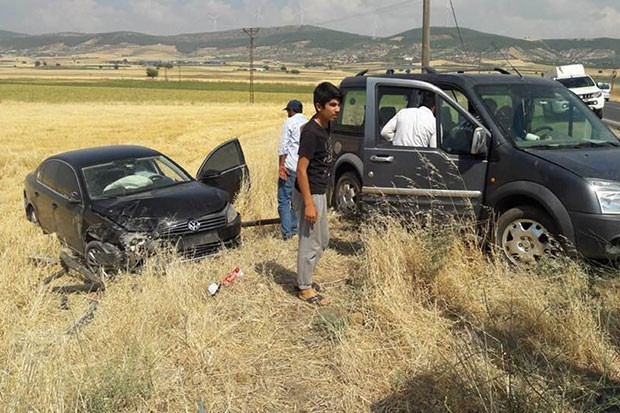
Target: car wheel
x,y
599,113
525,234
102,259
346,194
31,214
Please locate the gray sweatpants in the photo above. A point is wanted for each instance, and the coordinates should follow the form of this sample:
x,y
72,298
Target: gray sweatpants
x,y
313,238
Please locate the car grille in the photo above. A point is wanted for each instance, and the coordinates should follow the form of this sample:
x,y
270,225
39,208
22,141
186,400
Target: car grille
x,y
203,250
178,229
587,96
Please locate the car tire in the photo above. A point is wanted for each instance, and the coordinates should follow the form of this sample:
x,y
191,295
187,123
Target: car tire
x,y
31,215
102,259
346,194
525,234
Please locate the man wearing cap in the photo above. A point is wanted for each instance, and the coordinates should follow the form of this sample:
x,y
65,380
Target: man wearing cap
x,y
289,145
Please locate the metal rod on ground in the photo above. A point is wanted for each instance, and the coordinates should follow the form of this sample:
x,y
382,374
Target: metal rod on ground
x,y
260,222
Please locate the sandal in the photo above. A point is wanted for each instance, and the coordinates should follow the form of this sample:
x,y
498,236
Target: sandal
x,y
317,300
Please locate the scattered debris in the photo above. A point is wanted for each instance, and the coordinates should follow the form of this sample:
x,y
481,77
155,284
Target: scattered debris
x,y
87,317
214,287
40,259
68,262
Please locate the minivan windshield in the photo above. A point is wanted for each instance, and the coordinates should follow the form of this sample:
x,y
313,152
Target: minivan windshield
x,y
575,82
548,116
129,176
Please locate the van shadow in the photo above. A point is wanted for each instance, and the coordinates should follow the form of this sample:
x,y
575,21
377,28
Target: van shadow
x,y
281,275
344,247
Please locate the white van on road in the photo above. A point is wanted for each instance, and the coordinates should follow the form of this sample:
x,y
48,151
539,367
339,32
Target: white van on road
x,y
574,77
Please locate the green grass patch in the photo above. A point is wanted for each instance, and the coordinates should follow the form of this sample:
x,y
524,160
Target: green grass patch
x,y
145,91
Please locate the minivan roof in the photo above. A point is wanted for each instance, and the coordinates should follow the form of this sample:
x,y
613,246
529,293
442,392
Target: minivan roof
x,y
464,80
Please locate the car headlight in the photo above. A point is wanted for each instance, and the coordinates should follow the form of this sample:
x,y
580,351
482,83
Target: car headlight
x,y
231,214
134,240
608,194
598,94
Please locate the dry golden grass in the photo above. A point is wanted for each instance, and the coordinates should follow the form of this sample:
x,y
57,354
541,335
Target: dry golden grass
x,y
426,320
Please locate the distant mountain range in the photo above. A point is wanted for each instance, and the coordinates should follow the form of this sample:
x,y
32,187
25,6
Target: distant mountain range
x,y
317,46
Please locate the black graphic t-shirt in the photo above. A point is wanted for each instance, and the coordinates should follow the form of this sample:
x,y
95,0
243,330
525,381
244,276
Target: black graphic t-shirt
x,y
314,145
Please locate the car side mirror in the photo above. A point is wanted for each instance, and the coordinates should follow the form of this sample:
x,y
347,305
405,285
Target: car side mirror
x,y
74,197
479,142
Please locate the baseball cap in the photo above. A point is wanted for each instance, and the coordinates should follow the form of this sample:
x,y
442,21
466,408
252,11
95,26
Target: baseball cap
x,y
294,105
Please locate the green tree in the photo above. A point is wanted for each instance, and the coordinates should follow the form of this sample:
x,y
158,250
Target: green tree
x,y
152,72
37,63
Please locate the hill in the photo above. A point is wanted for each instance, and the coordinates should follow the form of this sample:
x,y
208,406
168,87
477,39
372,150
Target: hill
x,y
315,45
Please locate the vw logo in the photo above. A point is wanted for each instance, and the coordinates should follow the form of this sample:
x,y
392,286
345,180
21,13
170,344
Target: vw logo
x,y
193,225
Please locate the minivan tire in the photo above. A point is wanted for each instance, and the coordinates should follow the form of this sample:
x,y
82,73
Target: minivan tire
x,y
526,233
346,194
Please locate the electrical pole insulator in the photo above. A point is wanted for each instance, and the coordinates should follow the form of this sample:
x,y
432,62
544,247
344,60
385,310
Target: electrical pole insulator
x,y
251,32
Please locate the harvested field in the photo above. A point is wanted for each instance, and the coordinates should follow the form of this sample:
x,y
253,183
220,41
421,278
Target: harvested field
x,y
423,318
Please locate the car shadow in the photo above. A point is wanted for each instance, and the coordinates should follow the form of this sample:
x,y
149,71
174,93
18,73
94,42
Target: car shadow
x,y
281,275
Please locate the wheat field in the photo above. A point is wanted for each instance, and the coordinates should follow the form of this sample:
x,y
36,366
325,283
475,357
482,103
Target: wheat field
x,y
423,319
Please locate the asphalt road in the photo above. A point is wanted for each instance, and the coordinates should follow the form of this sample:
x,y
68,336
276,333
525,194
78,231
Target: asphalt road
x,y
611,113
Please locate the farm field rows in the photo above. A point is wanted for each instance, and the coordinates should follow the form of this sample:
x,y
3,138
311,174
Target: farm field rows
x,y
424,319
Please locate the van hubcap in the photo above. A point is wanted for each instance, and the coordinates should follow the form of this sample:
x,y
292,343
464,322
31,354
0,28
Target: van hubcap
x,y
526,240
346,195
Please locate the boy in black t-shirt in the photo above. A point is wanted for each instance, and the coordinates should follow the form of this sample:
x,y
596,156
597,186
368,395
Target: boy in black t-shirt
x,y
309,197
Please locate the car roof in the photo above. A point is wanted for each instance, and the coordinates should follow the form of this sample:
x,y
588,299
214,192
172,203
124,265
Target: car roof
x,y
465,80
93,156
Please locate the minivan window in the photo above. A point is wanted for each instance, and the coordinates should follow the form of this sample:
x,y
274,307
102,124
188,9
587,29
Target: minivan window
x,y
545,116
574,82
392,99
456,131
351,119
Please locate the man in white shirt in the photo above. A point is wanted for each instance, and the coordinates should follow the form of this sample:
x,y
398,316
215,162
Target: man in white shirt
x,y
287,154
413,126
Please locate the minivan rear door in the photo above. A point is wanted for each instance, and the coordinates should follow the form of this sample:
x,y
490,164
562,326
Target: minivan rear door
x,y
225,168
420,179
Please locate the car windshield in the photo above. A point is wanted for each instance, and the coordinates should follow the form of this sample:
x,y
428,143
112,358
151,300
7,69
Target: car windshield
x,y
574,82
537,115
604,86
129,176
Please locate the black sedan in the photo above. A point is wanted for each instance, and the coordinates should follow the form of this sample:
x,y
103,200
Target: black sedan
x,y
115,205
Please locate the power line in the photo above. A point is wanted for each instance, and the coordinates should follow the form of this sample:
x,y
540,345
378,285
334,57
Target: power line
x,y
366,13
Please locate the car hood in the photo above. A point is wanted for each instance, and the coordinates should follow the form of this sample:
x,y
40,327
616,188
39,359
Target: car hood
x,y
602,163
585,90
146,210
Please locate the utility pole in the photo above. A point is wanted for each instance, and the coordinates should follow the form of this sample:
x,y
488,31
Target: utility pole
x,y
426,33
251,32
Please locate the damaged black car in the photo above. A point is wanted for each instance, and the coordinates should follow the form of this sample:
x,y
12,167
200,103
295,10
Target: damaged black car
x,y
113,206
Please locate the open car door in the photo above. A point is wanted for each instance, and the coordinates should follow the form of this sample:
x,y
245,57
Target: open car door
x,y
225,168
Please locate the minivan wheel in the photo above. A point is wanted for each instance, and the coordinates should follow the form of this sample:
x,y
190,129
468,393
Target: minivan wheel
x,y
346,194
526,234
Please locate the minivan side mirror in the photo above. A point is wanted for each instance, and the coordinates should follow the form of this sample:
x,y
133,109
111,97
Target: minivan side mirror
x,y
479,142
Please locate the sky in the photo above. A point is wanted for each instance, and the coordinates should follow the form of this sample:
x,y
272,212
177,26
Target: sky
x,y
514,18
